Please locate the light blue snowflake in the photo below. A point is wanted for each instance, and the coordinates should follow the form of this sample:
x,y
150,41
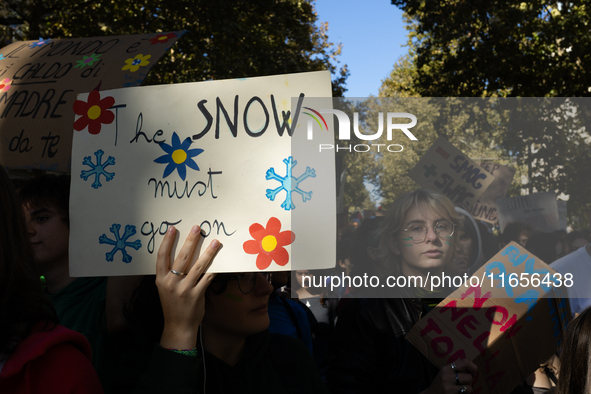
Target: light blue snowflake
x,y
41,42
289,183
2,57
98,169
120,242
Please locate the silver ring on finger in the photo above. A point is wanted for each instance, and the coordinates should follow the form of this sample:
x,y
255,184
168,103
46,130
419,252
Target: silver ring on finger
x,y
177,273
453,366
457,379
462,390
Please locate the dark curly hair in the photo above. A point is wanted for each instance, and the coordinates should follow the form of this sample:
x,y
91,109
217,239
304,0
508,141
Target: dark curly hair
x,y
48,190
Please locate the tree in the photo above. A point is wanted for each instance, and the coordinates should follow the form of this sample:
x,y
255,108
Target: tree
x,y
225,39
500,47
503,48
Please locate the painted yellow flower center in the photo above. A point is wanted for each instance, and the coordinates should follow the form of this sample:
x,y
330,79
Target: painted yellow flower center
x,y
94,112
269,243
179,156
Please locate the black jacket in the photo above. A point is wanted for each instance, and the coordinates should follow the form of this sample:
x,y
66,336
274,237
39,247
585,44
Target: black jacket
x,y
369,352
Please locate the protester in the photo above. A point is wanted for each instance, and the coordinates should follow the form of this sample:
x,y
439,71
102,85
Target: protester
x,y
517,232
578,266
90,306
369,351
214,334
288,317
365,246
36,354
575,357
468,254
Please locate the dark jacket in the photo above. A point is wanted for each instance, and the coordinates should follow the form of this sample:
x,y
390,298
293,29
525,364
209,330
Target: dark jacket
x,y
369,352
270,363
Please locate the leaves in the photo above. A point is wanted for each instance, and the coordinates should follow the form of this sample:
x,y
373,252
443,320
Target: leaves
x,y
225,39
504,48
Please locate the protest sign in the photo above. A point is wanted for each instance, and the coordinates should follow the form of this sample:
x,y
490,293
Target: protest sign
x,y
446,169
539,210
485,208
231,156
39,81
507,318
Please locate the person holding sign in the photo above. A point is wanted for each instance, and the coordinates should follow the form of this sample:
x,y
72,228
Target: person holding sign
x,y
214,336
417,239
36,354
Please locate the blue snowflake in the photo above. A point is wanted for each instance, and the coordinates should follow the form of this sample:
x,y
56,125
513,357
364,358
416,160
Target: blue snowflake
x,y
41,42
98,169
120,242
289,183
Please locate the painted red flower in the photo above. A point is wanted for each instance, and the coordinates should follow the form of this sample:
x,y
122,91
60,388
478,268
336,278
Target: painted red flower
x,y
269,243
94,112
162,38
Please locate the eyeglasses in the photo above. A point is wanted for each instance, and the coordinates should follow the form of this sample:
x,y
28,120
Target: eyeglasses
x,y
418,232
248,280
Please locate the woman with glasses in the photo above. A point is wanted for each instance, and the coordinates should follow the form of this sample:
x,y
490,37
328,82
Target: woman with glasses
x,y
212,335
417,239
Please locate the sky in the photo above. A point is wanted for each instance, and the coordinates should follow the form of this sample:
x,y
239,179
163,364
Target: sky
x,y
372,33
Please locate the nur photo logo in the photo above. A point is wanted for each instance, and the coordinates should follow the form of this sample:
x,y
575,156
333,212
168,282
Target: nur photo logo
x,y
345,130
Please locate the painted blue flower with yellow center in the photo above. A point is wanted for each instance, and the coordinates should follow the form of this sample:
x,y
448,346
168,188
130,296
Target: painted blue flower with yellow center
x,y
178,156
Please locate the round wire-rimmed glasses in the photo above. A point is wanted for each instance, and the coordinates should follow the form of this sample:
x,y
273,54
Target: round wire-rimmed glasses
x,y
418,232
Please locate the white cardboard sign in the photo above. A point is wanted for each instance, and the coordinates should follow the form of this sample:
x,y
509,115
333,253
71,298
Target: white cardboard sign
x,y
220,154
539,210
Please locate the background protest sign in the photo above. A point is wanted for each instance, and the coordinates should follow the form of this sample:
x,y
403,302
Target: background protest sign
x,y
39,81
539,210
507,322
485,208
446,169
218,154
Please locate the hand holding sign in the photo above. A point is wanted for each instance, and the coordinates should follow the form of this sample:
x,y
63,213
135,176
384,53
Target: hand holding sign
x,y
454,378
182,288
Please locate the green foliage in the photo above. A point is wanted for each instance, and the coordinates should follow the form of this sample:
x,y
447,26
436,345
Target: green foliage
x,y
500,47
504,48
225,39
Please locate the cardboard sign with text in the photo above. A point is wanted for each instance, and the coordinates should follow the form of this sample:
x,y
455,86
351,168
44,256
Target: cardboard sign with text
x,y
485,208
508,319
539,210
231,156
446,169
39,81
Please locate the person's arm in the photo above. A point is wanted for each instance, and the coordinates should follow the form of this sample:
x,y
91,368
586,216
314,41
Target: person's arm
x,y
183,305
